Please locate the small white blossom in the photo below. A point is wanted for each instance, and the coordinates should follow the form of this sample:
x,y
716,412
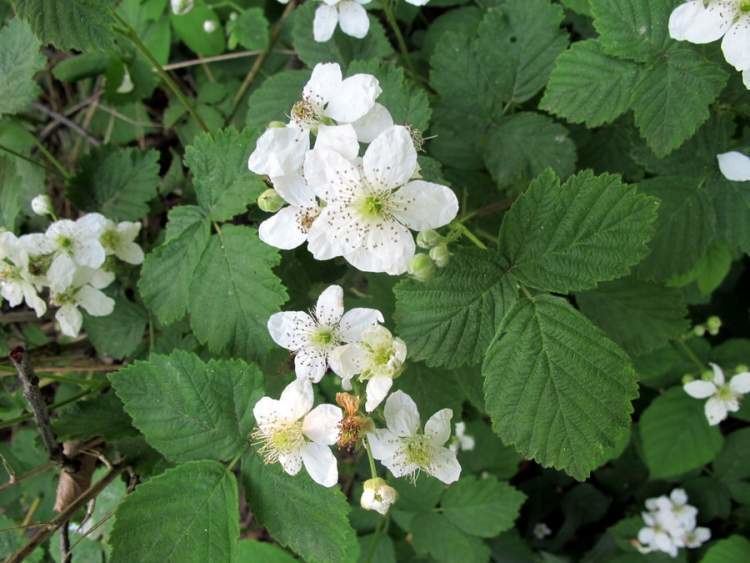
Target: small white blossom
x,y
723,397
670,524
377,357
16,282
42,205
73,244
126,84
85,292
735,166
314,336
209,26
378,496
181,7
461,440
292,433
349,15
118,239
541,531
404,450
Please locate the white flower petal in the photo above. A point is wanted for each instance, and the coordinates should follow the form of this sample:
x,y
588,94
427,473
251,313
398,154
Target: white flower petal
x,y
355,321
310,364
383,443
266,412
296,399
353,19
740,383
322,424
291,462
348,360
736,44
89,252
70,320
320,240
338,138
331,175
289,329
96,303
330,306
12,293
283,229
130,252
294,190
700,389
377,390
279,151
417,2
388,249
320,464
92,225
373,123
324,81
678,496
33,300
746,78
423,205
719,378
354,98
445,466
735,166
716,411
438,427
391,159
695,22
324,23
128,230
401,414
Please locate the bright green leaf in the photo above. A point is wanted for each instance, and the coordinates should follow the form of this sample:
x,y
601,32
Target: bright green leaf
x,y
633,29
734,549
435,535
72,24
273,100
251,28
21,60
119,334
189,28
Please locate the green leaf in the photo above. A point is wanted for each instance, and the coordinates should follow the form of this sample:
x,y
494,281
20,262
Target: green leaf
x,y
218,162
435,535
101,416
253,551
189,28
309,519
168,270
684,229
569,237
20,62
556,388
252,29
434,389
341,48
732,465
640,316
672,98
188,409
451,319
731,202
119,334
588,86
273,99
187,514
675,435
234,291
633,29
117,182
734,549
73,24
523,145
20,180
482,507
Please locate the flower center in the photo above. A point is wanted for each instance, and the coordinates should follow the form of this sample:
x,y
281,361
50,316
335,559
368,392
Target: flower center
x,y
419,451
282,439
372,206
745,5
323,336
725,393
65,243
9,271
110,239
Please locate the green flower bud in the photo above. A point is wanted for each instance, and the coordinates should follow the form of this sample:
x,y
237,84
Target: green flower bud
x,y
421,267
440,255
699,330
270,201
707,375
741,368
687,378
713,325
428,238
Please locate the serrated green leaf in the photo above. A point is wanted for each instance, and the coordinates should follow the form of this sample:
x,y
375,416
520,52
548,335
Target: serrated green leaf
x,y
168,270
433,389
675,435
253,551
734,549
633,29
234,291
188,409
435,535
638,315
117,182
119,334
187,514
451,319
19,62
189,28
556,388
523,145
309,519
572,236
684,229
223,184
732,465
341,48
482,507
672,98
252,29
73,24
273,100
731,203
588,86
20,180
101,416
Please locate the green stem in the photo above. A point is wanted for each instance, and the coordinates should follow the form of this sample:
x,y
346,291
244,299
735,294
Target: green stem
x,y
691,355
132,35
464,230
56,163
390,16
526,293
382,525
28,415
373,469
26,158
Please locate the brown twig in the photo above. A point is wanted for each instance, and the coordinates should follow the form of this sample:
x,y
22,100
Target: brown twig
x,y
16,479
65,555
40,536
68,123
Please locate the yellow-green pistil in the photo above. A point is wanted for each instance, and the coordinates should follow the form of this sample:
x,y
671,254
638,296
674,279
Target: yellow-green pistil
x,y
419,450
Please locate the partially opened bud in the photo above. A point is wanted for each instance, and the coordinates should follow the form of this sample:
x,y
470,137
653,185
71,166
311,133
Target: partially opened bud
x,y
421,267
209,26
429,238
42,205
270,201
440,255
181,7
378,496
713,325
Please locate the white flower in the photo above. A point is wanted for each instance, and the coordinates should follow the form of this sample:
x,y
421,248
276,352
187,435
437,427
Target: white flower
x,y
42,205
404,450
377,358
181,7
461,441
704,21
371,206
735,166
209,26
697,537
313,337
377,496
670,524
73,244
656,536
84,291
350,16
292,434
417,2
541,531
118,239
16,282
723,397
675,509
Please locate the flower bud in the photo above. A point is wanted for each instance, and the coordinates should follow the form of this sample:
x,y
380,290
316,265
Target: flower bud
x,y
233,16
378,496
209,26
741,368
181,7
713,325
42,205
270,201
440,255
707,375
429,238
687,378
421,267
699,330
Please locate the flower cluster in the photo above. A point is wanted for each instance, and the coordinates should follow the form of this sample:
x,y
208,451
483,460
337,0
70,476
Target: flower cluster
x,y
341,204
351,344
723,396
706,21
670,524
73,259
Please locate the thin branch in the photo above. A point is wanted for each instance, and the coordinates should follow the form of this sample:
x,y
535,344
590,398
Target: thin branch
x,y
28,415
40,536
26,158
16,479
52,125
65,553
68,123
214,59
